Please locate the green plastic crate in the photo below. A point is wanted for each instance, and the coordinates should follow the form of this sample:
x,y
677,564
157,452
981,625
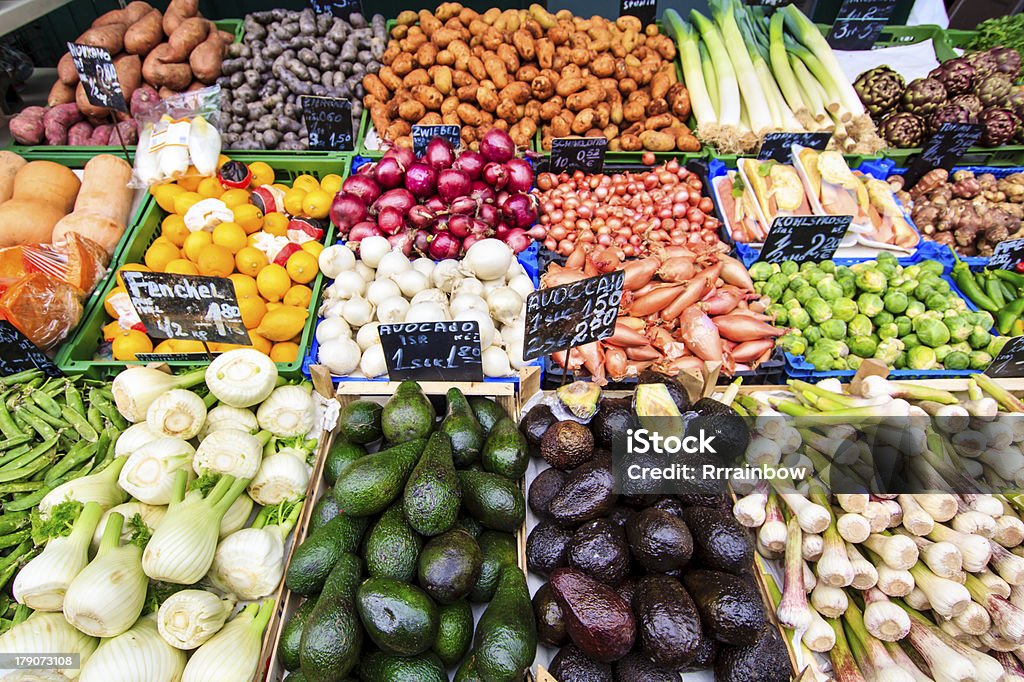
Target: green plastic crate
x,y
77,355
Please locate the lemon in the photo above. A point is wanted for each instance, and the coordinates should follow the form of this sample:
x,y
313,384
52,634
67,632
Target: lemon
x,y
216,261
210,188
249,217
235,197
231,236
302,267
249,260
182,266
195,243
260,343
173,229
190,180
166,346
331,183
306,183
111,330
313,248
188,346
130,267
165,195
273,282
129,342
293,199
299,295
286,351
160,254
317,204
275,224
186,200
282,323
244,285
253,309
262,174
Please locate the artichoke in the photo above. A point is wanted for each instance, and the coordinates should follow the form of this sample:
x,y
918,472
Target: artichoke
x,y
1000,127
971,103
879,89
1015,101
983,62
948,113
1007,61
956,75
993,89
903,129
923,96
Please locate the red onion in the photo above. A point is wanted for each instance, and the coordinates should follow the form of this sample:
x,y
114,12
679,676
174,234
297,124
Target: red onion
x,y
367,169
520,175
482,191
465,205
421,179
481,229
517,240
390,220
501,230
436,205
495,175
399,198
405,156
460,225
403,242
388,172
421,241
470,240
362,186
420,216
363,230
452,184
497,146
471,163
488,214
519,211
347,210
444,245
439,154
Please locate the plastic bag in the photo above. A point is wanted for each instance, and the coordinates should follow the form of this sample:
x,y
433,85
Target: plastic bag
x,y
178,138
43,308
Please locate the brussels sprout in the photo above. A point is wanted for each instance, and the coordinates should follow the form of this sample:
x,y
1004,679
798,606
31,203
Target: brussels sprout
x,y
959,327
793,344
828,266
923,290
901,360
813,335
864,346
931,332
815,277
912,272
833,329
914,309
942,287
762,270
932,266
956,360
853,362
808,266
818,309
980,360
791,304
983,319
895,301
961,347
849,287
942,351
888,349
871,280
996,345
921,357
778,313
829,289
910,341
844,309
908,287
937,301
789,295
773,291
789,268
798,318
860,326
904,324
780,279
870,304
806,294
884,317
822,361
798,282
887,268
888,331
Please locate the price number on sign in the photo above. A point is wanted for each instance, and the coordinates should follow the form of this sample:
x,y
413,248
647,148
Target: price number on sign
x,y
859,24
779,146
569,154
1007,254
432,351
804,238
339,8
572,315
328,123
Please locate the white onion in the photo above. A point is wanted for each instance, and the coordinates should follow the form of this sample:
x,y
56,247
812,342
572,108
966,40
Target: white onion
x,y
368,335
515,353
357,311
373,364
495,362
430,296
505,304
522,285
426,312
392,310
392,263
410,281
335,260
492,284
461,304
341,356
424,265
488,259
365,271
482,318
373,249
470,286
381,289
446,275
515,269
348,284
513,332
333,328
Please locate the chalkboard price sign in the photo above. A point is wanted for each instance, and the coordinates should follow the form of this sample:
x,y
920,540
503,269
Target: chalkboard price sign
x,y
859,24
98,76
572,315
339,8
569,154
433,351
18,354
1007,254
779,146
1009,362
804,238
187,307
422,135
175,357
329,123
644,10
942,150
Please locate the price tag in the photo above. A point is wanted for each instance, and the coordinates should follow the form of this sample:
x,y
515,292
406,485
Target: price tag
x,y
942,150
1009,362
804,238
187,307
175,357
572,315
433,351
329,123
569,154
859,24
422,135
18,354
98,76
339,8
779,146
644,10
1007,254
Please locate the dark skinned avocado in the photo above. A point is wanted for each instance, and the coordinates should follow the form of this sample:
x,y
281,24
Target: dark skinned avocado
x,y
730,607
536,422
721,422
614,418
407,415
764,661
462,429
499,550
588,493
342,453
659,541
505,451
359,421
599,621
599,549
547,548
721,543
544,487
454,631
620,516
706,655
636,667
432,493
449,566
550,622
383,667
667,623
676,390
487,412
627,588
392,547
567,444
672,505
399,618
580,398
470,525
572,665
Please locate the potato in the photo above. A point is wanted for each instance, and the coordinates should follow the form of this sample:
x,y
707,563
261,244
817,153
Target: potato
x,y
468,114
27,126
487,98
411,110
416,77
206,59
443,79
187,37
131,13
426,55
161,71
578,101
66,71
144,34
374,86
429,96
60,94
129,76
656,141
177,12
109,37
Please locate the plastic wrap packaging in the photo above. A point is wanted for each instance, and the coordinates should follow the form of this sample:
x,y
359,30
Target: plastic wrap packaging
x,y
179,138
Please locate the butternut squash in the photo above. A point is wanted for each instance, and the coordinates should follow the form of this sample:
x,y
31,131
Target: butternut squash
x,y
104,201
10,164
44,192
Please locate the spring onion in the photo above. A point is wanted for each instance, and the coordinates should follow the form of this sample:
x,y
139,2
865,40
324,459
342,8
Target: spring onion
x,y
793,612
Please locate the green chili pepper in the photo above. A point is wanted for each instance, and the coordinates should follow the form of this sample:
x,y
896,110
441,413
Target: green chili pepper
x,y
964,279
1006,315
995,291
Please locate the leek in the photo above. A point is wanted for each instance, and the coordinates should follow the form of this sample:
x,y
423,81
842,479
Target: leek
x,y
810,36
753,96
783,73
728,89
187,619
137,654
707,68
250,563
234,652
686,38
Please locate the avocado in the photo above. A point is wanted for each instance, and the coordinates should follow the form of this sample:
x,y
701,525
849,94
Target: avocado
x,y
599,549
706,654
325,509
658,540
720,543
470,525
432,494
615,416
468,671
567,444
672,505
572,665
720,422
493,500
599,621
547,548
535,422
392,547
544,487
580,398
636,667
449,566
676,390
359,422
407,415
498,550
464,432
316,556
505,642
667,623
505,452
550,622
291,634
400,618
730,607
588,493
620,516
297,676
487,412
369,484
384,667
332,638
454,631
341,454
766,660
627,588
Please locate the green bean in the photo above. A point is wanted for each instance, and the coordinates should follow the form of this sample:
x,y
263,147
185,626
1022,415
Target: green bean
x,y
35,422
32,409
80,424
23,487
31,455
46,403
73,398
71,460
20,377
12,539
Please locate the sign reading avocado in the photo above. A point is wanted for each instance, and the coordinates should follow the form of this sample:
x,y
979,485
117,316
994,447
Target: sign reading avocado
x,y
18,354
572,315
448,350
804,238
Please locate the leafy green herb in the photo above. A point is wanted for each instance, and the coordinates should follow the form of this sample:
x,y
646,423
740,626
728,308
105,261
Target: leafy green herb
x,y
59,524
141,533
205,483
1006,31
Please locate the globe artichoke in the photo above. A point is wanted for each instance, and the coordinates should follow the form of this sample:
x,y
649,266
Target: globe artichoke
x,y
879,89
1007,61
903,129
956,75
983,62
971,103
948,113
993,89
1015,101
1000,127
923,96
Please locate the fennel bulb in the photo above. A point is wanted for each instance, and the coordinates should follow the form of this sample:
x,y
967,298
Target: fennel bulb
x,y
148,475
100,488
149,515
188,618
241,377
236,516
178,413
42,582
107,596
225,416
47,633
135,388
230,451
288,411
133,438
181,549
249,564
281,477
234,652
135,655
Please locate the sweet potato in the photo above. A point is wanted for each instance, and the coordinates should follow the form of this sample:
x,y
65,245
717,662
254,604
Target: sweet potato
x,y
66,71
109,37
60,94
27,127
143,100
101,135
79,134
131,13
207,58
177,12
161,70
145,34
58,120
187,37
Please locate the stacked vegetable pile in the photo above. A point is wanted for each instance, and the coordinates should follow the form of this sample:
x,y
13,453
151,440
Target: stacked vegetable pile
x,y
163,515
896,586
976,88
747,76
523,69
406,539
488,287
1004,31
1000,292
441,203
284,56
907,317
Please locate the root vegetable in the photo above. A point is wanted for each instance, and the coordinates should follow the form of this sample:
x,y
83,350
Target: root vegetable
x,y
27,127
145,34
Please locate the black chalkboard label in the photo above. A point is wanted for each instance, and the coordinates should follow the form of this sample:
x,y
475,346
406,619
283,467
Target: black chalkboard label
x,y
1007,254
572,315
433,351
779,146
98,76
329,123
570,154
175,357
187,307
644,10
339,8
942,150
18,354
859,24
1009,362
804,238
422,135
